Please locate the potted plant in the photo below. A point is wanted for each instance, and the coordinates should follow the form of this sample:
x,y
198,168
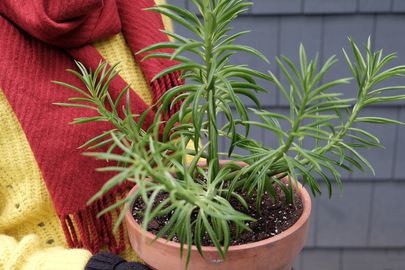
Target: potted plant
x,y
194,206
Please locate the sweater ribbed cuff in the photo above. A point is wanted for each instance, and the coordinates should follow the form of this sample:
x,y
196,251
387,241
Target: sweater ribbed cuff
x,y
109,261
104,261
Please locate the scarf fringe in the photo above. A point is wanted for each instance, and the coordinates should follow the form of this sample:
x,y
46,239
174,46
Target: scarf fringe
x,y
84,229
162,85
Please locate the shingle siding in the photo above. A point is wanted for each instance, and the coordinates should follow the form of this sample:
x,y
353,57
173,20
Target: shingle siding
x,y
364,227
277,6
330,6
387,227
180,3
263,36
373,260
382,159
399,171
315,259
295,30
374,5
343,220
398,5
337,29
350,259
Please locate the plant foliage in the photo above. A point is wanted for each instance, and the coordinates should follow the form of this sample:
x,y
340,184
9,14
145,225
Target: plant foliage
x,y
318,113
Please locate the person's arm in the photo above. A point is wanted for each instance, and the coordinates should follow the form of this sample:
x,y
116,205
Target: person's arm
x,y
30,233
30,254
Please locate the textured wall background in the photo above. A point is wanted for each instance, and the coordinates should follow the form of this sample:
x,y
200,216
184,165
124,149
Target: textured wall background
x,y
363,228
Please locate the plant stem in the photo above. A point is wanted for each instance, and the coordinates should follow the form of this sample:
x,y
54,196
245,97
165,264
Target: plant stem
x,y
212,160
356,110
212,135
294,129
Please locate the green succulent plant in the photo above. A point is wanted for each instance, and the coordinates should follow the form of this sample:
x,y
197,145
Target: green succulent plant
x,y
215,87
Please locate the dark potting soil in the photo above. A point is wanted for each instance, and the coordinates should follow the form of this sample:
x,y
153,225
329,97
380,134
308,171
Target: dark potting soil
x,y
274,218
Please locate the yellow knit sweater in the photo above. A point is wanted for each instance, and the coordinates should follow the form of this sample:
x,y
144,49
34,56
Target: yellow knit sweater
x,y
30,233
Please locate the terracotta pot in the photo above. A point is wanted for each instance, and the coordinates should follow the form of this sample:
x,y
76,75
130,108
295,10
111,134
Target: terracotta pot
x,y
275,253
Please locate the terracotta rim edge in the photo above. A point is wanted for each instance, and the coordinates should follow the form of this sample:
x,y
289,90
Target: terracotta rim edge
x,y
301,221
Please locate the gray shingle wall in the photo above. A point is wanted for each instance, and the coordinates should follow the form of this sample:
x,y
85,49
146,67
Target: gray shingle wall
x,y
350,259
364,227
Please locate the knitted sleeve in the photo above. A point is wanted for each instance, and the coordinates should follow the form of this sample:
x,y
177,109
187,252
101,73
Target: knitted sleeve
x,y
30,254
30,232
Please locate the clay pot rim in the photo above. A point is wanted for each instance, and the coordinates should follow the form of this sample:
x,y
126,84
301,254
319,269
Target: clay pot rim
x,y
306,200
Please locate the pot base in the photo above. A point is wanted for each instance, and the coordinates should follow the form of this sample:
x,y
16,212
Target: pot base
x,y
275,253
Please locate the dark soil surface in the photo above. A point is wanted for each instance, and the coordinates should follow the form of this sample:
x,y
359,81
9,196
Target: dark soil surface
x,y
274,218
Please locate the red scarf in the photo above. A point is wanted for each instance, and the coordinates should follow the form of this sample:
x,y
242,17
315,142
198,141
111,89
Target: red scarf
x,y
38,41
